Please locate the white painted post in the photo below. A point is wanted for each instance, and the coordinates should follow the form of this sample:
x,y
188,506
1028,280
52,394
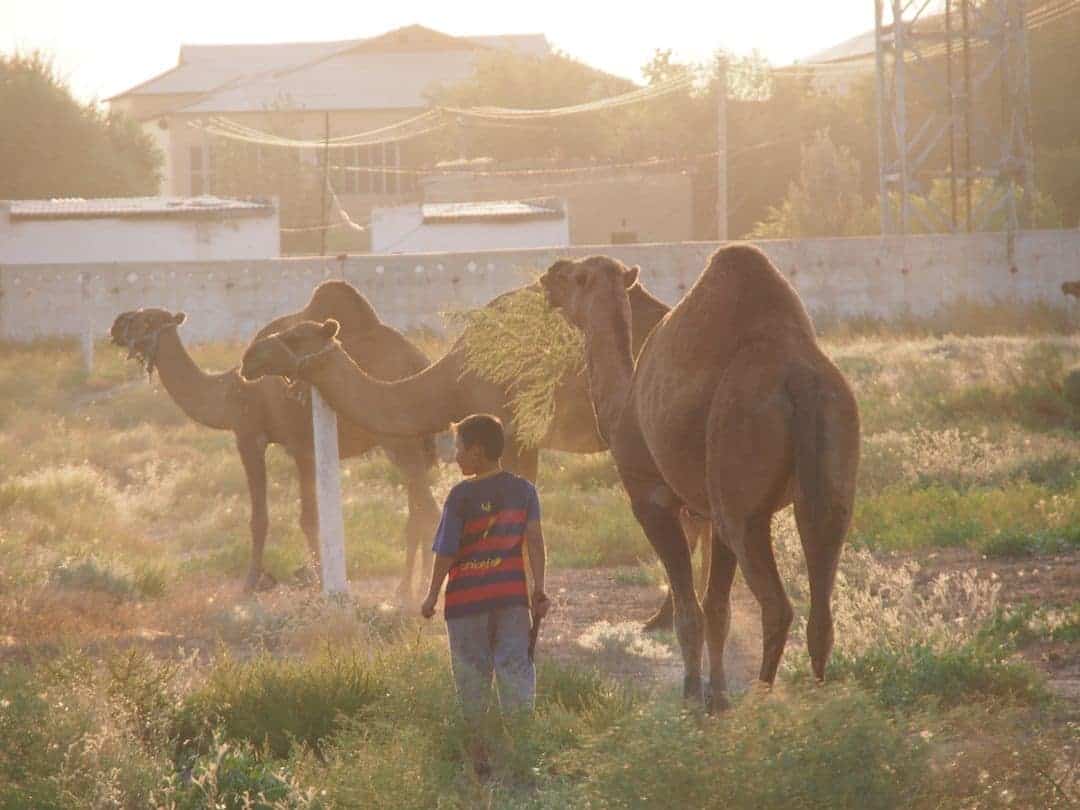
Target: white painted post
x,y
328,496
87,337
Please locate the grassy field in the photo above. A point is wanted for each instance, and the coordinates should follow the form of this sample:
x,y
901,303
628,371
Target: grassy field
x,y
134,673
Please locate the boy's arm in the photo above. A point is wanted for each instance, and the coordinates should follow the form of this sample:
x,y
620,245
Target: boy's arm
x,y
537,556
440,567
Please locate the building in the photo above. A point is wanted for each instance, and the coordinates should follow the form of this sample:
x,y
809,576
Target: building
x,y
136,229
320,91
308,91
465,226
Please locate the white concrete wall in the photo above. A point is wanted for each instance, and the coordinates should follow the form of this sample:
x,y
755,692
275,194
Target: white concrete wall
x,y
401,229
836,277
137,239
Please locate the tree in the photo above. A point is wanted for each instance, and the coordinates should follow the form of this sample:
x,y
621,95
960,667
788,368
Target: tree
x,y
53,146
825,202
506,79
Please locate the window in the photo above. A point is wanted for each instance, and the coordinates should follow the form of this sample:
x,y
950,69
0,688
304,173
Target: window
x,y
202,170
372,163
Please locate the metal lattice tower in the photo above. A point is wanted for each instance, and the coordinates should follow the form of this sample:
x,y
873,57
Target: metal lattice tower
x,y
958,61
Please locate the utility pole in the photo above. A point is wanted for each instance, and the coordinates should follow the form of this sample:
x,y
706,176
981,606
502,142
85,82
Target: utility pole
x,y
917,140
721,150
325,183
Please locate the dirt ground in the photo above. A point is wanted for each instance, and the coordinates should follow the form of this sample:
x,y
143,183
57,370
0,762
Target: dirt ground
x,y
596,620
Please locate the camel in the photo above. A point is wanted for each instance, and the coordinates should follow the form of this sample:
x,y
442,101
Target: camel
x,y
734,411
267,412
442,393
1071,288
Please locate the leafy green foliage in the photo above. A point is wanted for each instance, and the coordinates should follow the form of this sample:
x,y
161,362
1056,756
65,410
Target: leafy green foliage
x,y
901,678
270,704
52,146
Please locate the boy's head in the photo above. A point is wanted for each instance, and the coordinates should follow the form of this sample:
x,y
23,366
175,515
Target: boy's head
x,y
479,442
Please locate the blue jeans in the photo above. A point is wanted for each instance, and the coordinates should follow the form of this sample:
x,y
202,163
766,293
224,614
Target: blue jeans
x,y
495,642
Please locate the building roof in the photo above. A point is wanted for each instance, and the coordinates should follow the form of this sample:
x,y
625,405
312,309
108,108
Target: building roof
x,y
129,207
493,211
208,68
861,46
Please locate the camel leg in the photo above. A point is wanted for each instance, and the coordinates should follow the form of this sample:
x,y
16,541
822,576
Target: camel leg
x,y
697,534
750,539
717,605
661,525
253,455
309,511
822,552
419,530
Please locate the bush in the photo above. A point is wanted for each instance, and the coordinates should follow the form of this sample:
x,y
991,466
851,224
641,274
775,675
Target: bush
x,y
1017,544
833,750
271,703
901,678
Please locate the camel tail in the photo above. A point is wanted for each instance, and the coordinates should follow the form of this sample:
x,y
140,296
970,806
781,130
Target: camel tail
x,y
826,437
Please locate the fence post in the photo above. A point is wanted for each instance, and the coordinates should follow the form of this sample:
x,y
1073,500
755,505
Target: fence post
x,y
86,337
328,496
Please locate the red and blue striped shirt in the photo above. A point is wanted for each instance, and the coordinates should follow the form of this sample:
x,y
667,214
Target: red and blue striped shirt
x,y
483,527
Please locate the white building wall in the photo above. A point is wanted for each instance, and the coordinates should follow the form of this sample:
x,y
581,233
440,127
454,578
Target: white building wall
x,y
401,229
137,239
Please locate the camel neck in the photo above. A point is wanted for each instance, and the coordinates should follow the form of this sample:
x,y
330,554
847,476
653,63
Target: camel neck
x,y
427,402
610,363
209,399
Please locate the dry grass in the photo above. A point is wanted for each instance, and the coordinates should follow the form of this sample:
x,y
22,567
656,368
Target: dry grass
x,y
123,529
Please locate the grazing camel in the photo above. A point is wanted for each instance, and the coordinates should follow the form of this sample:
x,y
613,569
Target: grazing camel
x,y
444,392
734,411
266,413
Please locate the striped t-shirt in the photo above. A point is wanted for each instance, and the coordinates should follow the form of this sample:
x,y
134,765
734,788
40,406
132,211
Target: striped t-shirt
x,y
483,527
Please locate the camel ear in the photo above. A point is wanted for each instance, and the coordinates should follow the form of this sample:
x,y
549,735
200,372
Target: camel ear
x,y
630,276
330,328
179,318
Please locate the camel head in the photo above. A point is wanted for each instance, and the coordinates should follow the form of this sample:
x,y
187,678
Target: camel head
x,y
285,353
577,286
1071,288
138,330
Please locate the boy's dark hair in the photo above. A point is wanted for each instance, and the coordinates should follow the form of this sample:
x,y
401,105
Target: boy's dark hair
x,y
485,430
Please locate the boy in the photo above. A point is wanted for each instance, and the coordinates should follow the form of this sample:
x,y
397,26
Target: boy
x,y
487,520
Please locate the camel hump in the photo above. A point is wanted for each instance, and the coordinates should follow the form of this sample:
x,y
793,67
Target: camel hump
x,y
343,302
739,294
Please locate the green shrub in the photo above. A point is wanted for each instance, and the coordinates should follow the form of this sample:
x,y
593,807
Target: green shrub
x,y
833,750
271,703
109,576
901,678
1015,544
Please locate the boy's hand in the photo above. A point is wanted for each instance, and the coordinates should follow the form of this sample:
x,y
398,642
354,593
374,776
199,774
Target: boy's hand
x,y
540,604
427,607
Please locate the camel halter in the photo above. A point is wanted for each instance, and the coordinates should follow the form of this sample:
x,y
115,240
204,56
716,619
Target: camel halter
x,y
145,348
300,361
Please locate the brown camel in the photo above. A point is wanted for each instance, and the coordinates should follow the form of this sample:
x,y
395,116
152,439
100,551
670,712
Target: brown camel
x,y
733,410
1071,288
444,392
267,412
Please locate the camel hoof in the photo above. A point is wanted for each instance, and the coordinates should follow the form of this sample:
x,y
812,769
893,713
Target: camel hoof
x,y
663,619
717,701
692,690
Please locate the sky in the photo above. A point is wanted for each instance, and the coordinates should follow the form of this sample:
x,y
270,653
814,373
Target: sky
x,y
103,47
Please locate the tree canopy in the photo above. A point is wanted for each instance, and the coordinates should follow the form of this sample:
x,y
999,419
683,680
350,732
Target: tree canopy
x,y
53,146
